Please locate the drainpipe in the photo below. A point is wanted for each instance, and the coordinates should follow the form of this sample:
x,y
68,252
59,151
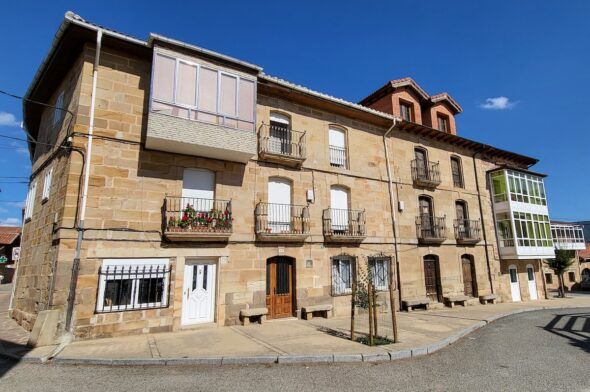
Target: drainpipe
x,y
483,225
393,215
80,228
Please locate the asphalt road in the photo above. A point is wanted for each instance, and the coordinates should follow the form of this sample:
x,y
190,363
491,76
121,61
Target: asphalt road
x,y
538,351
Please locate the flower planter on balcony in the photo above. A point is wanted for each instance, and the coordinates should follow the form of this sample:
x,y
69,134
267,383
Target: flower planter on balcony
x,y
192,219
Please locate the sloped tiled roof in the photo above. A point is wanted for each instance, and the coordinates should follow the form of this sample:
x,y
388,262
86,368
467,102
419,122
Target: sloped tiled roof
x,y
446,97
8,234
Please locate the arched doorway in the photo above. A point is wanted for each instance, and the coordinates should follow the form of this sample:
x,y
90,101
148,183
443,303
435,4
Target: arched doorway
x,y
514,283
432,278
585,276
280,277
469,282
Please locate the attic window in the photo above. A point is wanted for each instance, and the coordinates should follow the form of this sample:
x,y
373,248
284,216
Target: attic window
x,y
443,123
406,110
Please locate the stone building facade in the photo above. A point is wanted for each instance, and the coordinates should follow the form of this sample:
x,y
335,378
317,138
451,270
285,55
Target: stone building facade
x,y
339,162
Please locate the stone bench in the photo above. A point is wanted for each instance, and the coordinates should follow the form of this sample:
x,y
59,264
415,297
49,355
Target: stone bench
x,y
410,304
451,300
487,299
308,311
246,315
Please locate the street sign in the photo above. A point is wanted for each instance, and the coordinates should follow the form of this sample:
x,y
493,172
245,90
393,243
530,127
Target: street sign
x,y
3,259
16,253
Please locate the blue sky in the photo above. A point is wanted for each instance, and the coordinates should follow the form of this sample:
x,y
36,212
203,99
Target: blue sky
x,y
520,69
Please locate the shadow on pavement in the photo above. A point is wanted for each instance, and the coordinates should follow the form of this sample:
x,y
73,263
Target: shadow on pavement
x,y
16,350
575,327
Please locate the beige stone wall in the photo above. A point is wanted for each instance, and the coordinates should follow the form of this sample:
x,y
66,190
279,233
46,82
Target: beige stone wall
x,y
39,272
128,185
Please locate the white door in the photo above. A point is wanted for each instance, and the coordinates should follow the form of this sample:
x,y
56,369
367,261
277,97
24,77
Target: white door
x,y
279,205
339,205
198,300
514,284
530,272
198,187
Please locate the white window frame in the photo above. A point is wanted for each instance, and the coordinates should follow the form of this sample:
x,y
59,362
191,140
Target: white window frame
x,y
129,264
195,107
526,188
334,150
380,284
340,286
30,203
47,184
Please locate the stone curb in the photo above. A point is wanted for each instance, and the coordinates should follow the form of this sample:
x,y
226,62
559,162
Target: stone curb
x,y
280,359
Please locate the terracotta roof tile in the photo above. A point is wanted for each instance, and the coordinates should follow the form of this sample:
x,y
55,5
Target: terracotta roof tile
x,y
8,234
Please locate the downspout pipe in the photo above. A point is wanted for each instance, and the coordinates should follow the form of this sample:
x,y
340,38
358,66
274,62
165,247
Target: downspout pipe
x,y
80,228
483,224
393,208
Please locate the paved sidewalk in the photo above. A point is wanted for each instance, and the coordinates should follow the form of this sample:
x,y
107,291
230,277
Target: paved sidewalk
x,y
293,341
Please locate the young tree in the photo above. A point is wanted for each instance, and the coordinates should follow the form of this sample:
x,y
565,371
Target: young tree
x,y
562,261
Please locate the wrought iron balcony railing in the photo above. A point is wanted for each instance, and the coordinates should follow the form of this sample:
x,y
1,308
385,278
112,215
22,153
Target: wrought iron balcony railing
x,y
467,231
425,173
431,229
284,222
344,225
188,218
281,144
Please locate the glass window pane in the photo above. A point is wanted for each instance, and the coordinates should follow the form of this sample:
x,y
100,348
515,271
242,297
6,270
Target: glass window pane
x,y
207,90
229,85
163,84
151,290
117,292
247,100
186,88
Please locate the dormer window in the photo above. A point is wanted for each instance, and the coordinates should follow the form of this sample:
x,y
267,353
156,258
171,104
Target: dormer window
x,y
443,124
406,110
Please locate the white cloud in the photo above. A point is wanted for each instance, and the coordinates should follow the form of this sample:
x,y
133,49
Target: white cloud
x,y
10,222
8,120
22,150
498,103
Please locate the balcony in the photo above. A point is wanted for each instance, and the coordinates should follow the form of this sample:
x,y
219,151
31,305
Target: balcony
x,y
425,173
281,145
467,231
344,225
281,222
568,236
193,219
338,157
430,229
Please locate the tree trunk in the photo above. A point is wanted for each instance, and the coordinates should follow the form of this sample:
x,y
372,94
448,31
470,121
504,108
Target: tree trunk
x,y
561,288
370,301
352,305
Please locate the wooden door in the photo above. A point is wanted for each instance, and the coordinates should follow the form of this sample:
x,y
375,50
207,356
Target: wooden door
x,y
426,217
421,163
468,281
431,278
279,287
